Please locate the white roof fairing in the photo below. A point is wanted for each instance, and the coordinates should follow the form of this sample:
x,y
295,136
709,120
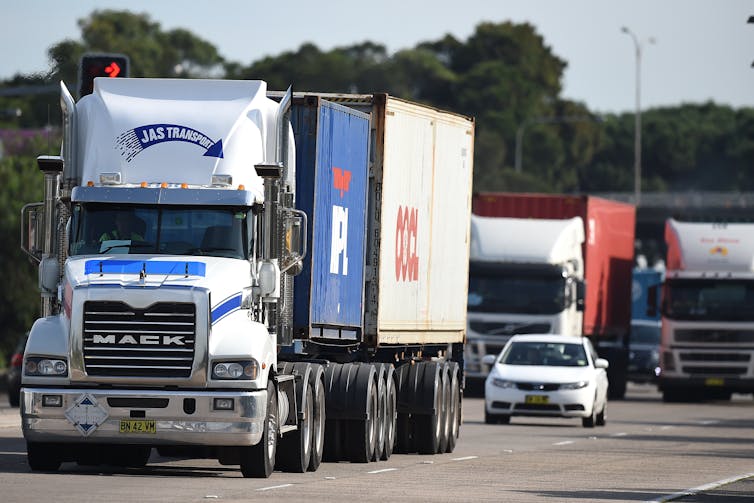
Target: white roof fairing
x,y
176,131
526,240
706,247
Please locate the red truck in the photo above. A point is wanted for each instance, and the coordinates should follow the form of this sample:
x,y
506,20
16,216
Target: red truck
x,y
608,253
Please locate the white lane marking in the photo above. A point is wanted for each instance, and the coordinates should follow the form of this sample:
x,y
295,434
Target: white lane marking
x,y
667,427
620,434
274,487
711,421
705,487
465,458
427,462
564,442
383,470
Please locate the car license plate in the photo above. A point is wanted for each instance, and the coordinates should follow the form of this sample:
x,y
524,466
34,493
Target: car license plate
x,y
138,426
537,399
714,381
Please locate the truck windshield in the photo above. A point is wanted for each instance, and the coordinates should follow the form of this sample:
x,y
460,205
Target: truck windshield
x,y
168,230
516,290
709,299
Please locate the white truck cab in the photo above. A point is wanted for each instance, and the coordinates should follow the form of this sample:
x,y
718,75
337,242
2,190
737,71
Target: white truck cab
x,y
525,277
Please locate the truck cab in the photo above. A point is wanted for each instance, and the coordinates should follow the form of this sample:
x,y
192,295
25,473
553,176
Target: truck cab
x,y
707,343
525,277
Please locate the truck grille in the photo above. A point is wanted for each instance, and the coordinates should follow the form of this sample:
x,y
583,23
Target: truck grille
x,y
122,341
715,336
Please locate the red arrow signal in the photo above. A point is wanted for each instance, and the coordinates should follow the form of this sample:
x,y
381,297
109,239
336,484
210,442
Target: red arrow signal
x,y
112,70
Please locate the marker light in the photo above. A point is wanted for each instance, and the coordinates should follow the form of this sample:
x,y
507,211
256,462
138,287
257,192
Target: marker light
x,y
184,186
143,185
241,187
164,185
90,183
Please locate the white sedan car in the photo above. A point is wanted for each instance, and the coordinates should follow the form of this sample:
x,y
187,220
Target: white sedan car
x,y
546,375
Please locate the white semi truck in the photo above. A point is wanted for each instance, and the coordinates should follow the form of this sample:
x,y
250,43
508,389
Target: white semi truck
x,y
707,342
526,277
168,243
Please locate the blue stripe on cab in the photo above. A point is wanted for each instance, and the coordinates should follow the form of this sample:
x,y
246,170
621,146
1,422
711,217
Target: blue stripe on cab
x,y
168,267
226,307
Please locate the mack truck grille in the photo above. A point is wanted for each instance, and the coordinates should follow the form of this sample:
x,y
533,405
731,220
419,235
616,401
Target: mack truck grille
x,y
122,341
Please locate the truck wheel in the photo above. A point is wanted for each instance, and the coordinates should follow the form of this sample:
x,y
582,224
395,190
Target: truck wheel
x,y
455,407
295,448
43,457
362,435
258,461
445,416
318,422
14,398
391,416
404,435
617,388
334,434
429,426
379,444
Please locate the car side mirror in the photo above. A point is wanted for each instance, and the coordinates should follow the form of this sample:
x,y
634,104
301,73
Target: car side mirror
x,y
489,359
601,363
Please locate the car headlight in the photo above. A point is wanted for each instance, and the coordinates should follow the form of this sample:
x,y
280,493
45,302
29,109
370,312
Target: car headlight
x,y
239,370
575,385
502,383
40,366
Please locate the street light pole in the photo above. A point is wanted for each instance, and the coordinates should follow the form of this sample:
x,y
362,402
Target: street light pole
x,y
637,117
544,120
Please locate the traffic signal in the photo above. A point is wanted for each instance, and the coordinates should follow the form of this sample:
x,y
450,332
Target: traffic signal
x,y
100,65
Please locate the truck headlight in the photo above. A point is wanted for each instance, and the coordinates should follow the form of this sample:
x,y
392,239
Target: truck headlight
x,y
246,369
39,366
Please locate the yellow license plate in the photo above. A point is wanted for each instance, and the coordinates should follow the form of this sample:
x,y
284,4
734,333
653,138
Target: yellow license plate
x,y
137,426
537,399
714,381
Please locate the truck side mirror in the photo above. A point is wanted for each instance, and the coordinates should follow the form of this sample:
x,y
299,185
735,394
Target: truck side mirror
x,y
32,230
295,243
580,294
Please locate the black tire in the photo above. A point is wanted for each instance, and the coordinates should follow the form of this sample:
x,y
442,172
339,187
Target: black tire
x,y
334,439
588,422
455,408
14,398
617,388
602,416
404,434
130,456
362,433
429,426
391,418
318,423
379,444
295,447
43,457
490,418
445,416
258,461
675,395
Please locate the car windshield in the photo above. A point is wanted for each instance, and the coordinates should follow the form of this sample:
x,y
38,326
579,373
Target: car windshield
x,y
645,334
169,230
552,354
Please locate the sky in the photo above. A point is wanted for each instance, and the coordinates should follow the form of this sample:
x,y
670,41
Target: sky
x,y
692,51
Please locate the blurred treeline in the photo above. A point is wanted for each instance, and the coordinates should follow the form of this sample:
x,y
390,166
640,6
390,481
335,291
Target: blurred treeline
x,y
503,75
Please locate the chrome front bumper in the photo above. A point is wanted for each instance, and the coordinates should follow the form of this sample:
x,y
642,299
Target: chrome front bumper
x,y
174,422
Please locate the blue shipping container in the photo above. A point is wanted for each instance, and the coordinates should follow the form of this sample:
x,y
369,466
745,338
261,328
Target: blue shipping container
x,y
332,155
645,294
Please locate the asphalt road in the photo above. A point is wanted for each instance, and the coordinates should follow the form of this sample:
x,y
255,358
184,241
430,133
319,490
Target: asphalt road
x,y
649,451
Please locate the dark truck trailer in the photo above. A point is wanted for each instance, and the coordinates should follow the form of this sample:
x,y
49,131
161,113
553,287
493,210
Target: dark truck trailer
x,y
608,257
